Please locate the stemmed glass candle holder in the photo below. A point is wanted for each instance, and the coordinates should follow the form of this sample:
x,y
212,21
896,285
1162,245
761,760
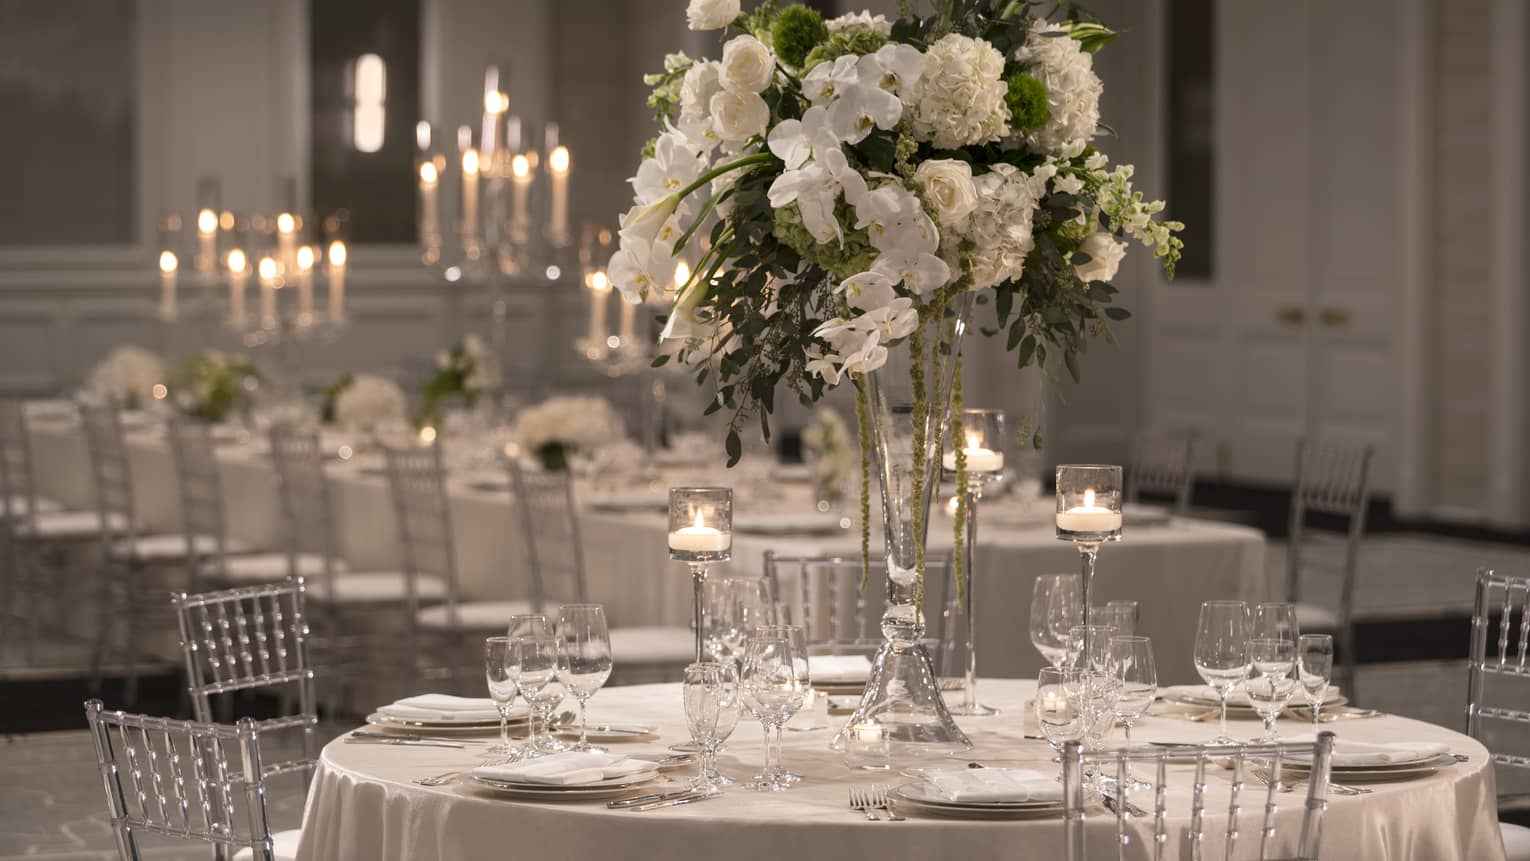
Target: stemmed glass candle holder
x,y
980,452
1088,514
700,533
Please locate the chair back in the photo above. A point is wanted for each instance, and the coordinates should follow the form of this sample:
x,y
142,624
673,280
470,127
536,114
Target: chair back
x,y
550,534
1331,479
823,594
200,492
1254,791
110,471
1163,464
195,781
1498,675
302,490
18,486
417,482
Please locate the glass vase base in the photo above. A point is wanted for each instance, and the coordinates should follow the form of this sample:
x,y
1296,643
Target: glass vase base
x,y
974,710
902,697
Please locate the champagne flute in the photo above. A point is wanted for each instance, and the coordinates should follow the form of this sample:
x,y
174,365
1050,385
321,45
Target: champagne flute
x,y
1221,652
711,712
502,689
1274,621
1269,689
1315,669
772,693
1060,705
584,658
1056,606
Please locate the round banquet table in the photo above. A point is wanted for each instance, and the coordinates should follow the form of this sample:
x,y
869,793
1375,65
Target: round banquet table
x,y
364,805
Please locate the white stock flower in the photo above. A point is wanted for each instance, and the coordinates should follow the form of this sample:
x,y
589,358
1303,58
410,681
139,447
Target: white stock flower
x,y
369,403
702,81
827,80
876,23
1000,227
127,376
960,96
711,14
737,116
747,65
675,164
795,141
947,185
1105,255
1068,184
1073,90
640,268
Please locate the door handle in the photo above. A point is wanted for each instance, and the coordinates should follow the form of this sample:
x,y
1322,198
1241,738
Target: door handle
x,y
1291,315
1334,318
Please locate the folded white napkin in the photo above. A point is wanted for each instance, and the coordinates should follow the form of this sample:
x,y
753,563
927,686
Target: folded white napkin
x,y
1348,753
839,668
968,785
443,708
564,769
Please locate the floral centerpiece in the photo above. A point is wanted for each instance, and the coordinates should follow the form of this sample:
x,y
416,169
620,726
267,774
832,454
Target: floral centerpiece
x,y
211,385
467,370
831,454
364,403
127,377
858,185
560,427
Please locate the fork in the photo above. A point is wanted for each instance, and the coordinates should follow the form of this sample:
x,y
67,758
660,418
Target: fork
x,y
860,801
446,777
884,803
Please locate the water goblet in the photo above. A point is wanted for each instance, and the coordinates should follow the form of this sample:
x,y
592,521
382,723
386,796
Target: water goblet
x,y
772,693
534,667
1314,653
502,689
1273,621
584,658
1056,606
1060,705
1273,680
1221,653
797,638
711,694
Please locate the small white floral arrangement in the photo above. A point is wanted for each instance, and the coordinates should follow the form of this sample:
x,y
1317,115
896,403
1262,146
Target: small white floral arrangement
x,y
467,370
560,427
212,384
859,181
365,403
832,454
127,376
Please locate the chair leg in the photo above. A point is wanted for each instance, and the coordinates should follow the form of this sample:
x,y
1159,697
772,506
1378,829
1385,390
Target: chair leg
x,y
103,630
134,635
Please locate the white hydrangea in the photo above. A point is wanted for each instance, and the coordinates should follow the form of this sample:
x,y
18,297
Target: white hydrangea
x,y
580,422
1073,90
126,376
876,23
1000,227
959,99
370,403
484,373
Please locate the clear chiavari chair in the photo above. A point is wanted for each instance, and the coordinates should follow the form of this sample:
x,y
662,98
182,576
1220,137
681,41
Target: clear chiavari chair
x,y
1332,479
197,781
1254,790
417,482
248,638
1162,464
204,525
554,549
1498,692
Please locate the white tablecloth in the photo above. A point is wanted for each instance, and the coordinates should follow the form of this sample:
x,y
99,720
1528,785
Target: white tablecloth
x,y
1169,569
363,805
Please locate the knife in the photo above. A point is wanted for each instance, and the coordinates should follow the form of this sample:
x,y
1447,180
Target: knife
x,y
677,800
647,799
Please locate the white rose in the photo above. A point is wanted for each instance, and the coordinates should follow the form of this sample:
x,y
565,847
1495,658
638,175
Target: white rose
x,y
701,82
747,65
737,116
1105,255
947,185
711,14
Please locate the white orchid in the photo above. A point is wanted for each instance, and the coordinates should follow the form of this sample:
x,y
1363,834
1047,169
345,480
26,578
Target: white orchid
x,y
861,107
897,319
898,67
919,271
815,188
795,141
868,290
828,79
640,268
676,163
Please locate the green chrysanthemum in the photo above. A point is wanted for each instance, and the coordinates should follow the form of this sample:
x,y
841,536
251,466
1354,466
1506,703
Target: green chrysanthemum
x,y
842,259
798,30
1027,101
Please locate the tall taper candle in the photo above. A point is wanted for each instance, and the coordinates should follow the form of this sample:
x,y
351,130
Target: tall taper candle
x,y
286,240
267,271
167,284
430,212
207,242
305,283
558,164
337,258
520,188
600,288
238,274
470,193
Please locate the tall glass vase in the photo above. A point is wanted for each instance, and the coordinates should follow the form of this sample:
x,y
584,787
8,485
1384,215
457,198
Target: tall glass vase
x,y
902,696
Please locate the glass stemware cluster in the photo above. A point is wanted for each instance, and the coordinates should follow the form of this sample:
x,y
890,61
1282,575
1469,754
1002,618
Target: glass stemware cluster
x,y
543,662
711,693
1262,651
774,683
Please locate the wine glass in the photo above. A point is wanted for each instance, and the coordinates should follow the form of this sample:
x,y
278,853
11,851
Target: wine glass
x,y
1273,681
1121,615
1314,653
1101,689
1221,652
534,667
1056,606
797,638
1089,647
502,689
1274,621
771,691
584,657
734,607
1060,705
1131,663
711,694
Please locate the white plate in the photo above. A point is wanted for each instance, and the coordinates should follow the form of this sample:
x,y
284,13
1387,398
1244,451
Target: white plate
x,y
582,792
610,732
1408,767
925,798
440,728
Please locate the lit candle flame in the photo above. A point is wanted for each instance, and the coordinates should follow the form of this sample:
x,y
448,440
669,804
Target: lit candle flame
x,y
285,223
236,262
267,268
558,161
520,166
974,439
427,435
600,282
207,222
305,258
470,162
682,274
337,253
428,173
1089,498
167,262
699,524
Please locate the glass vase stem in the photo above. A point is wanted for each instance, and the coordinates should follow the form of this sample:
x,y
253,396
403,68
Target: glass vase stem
x,y
698,577
970,705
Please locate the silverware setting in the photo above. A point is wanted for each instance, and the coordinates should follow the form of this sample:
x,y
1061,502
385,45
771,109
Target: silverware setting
x,y
1112,804
404,742
861,801
446,777
637,800
870,800
1283,785
675,801
884,802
